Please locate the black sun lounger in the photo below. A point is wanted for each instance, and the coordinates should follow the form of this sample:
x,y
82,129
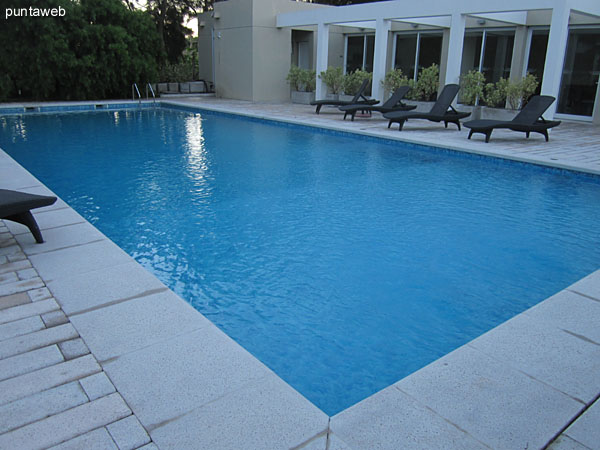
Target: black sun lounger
x,y
355,100
17,206
393,104
529,120
438,113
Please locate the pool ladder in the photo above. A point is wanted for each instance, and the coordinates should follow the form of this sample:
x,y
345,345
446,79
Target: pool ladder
x,y
135,90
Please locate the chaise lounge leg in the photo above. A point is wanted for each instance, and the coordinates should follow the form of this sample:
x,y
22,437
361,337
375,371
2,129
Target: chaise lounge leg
x,y
26,218
527,134
389,124
545,133
318,110
488,135
470,134
400,125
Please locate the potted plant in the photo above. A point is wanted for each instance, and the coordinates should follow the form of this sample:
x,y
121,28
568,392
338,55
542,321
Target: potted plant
x,y
334,79
505,93
302,82
353,81
472,88
393,80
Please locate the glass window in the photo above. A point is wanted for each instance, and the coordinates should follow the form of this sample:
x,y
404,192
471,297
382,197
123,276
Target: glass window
x,y
354,53
497,55
430,50
370,52
580,73
406,52
471,51
537,55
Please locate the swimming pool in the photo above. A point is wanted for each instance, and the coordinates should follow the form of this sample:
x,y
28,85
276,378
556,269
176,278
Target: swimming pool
x,y
343,263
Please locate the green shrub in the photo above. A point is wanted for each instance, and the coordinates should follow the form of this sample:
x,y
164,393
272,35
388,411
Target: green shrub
x,y
472,87
353,81
293,77
518,92
427,83
308,80
394,79
495,94
333,78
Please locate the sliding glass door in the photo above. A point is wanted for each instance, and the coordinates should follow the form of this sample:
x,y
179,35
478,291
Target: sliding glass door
x,y
581,68
415,51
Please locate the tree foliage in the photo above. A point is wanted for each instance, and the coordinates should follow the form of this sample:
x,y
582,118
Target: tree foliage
x,y
97,50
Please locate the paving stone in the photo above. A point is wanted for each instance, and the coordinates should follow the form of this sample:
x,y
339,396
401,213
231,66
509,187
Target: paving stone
x,y
319,443
31,341
60,238
110,332
7,242
3,260
73,348
545,352
151,446
499,406
39,294
401,422
54,318
26,274
586,429
48,219
14,267
20,286
98,439
9,277
20,327
564,442
30,361
27,310
41,405
589,285
72,261
335,443
128,433
12,250
99,287
97,385
68,424
173,377
571,312
264,414
16,257
49,377
8,301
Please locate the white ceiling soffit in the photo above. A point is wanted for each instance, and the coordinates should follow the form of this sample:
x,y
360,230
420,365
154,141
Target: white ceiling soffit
x,y
368,24
439,21
517,17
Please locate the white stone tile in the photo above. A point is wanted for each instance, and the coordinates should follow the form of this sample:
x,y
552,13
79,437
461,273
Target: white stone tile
x,y
586,429
13,267
54,318
150,446
390,419
545,352
335,443
8,301
98,439
12,250
20,286
571,312
27,274
30,361
173,377
319,443
72,261
128,433
67,425
110,332
589,285
9,277
31,341
21,327
49,377
59,238
80,292
41,405
494,403
27,310
48,219
39,294
564,442
265,414
73,348
97,385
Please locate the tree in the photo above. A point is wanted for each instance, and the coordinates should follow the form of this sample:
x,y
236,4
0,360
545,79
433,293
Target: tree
x,y
97,50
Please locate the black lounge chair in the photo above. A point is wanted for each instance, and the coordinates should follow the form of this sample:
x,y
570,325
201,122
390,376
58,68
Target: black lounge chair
x,y
17,206
438,113
355,100
393,104
529,120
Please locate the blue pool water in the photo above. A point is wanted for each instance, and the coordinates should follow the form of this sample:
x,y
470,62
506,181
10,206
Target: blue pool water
x,y
342,263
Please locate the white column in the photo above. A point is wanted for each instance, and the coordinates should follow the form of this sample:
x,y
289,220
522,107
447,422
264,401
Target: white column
x,y
555,55
382,29
322,58
455,48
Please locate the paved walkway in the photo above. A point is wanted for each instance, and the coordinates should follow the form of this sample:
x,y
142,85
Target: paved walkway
x,y
97,353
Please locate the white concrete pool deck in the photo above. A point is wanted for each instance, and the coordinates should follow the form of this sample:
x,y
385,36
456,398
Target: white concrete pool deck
x,y
97,353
